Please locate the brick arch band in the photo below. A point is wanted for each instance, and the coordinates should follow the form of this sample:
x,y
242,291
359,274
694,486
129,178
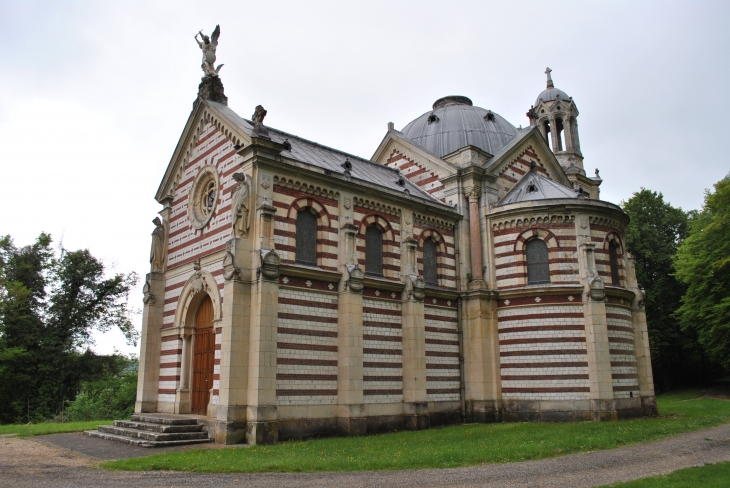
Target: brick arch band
x,y
317,208
391,252
536,233
194,291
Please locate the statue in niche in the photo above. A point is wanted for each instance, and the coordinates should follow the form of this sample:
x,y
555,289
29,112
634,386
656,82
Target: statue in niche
x,y
241,205
208,46
157,251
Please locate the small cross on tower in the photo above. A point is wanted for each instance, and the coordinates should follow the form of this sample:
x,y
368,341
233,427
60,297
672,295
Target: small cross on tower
x,y
549,78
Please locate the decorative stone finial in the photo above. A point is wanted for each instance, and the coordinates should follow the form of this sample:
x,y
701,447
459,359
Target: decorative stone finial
x,y
549,78
258,121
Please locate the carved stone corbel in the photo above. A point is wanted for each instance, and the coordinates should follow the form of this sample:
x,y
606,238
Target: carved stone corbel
x,y
270,263
355,281
149,298
415,287
596,288
642,300
230,272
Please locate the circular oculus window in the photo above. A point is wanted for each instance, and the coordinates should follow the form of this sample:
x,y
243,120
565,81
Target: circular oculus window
x,y
203,197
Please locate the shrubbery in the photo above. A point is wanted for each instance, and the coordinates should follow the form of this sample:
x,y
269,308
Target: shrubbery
x,y
111,397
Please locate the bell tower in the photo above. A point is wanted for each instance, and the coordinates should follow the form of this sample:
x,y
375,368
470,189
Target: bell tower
x,y
556,114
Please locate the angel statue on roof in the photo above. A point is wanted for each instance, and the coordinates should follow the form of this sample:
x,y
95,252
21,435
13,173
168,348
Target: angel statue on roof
x,y
208,45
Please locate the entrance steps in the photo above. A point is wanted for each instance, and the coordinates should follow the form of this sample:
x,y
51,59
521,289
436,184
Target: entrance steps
x,y
154,430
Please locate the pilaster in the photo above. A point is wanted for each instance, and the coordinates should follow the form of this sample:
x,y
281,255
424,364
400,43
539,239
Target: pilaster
x,y
148,379
261,414
596,327
482,375
641,341
236,333
415,399
350,408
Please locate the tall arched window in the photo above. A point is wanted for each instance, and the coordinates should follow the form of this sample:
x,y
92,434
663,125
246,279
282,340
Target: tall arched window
x,y
306,238
430,274
373,251
613,256
538,266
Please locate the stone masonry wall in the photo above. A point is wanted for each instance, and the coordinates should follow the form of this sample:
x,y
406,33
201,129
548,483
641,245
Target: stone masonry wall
x,y
382,334
442,349
542,348
621,347
306,364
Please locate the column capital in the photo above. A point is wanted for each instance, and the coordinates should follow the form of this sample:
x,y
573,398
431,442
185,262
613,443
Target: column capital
x,y
473,193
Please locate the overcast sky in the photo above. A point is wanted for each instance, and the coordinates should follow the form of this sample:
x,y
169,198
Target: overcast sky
x,y
94,95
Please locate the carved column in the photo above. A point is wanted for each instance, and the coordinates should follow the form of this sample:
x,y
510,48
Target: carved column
x,y
596,328
234,360
148,379
261,412
475,236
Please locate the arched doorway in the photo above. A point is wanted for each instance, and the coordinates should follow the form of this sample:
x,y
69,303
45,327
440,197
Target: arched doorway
x,y
203,357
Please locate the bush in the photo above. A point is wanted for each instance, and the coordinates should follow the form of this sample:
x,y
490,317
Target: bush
x,y
108,398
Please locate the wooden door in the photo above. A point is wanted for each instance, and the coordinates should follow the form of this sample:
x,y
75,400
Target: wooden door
x,y
203,359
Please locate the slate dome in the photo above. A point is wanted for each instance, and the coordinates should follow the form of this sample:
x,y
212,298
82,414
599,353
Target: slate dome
x,y
552,94
455,123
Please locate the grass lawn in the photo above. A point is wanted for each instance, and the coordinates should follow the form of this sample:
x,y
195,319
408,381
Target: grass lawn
x,y
49,428
707,476
448,447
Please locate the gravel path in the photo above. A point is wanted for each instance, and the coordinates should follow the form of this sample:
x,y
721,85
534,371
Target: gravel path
x,y
26,463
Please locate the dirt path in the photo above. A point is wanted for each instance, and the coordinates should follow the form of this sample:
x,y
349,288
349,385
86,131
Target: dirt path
x,y
26,463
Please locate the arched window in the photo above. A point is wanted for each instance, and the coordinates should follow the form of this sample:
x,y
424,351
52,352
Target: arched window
x,y
306,239
430,275
613,256
561,135
538,267
546,133
373,251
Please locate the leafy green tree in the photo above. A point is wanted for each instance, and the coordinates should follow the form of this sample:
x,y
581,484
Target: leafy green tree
x,y
49,305
703,265
653,236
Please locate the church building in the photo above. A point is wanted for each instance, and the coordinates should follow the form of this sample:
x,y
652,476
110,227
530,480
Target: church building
x,y
467,272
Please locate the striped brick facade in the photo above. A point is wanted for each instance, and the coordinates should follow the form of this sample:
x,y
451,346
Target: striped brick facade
x,y
442,349
290,201
513,171
306,362
623,354
382,338
558,232
542,348
427,180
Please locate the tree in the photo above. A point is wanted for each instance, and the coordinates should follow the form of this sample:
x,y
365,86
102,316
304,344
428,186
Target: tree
x,y
703,265
49,304
653,236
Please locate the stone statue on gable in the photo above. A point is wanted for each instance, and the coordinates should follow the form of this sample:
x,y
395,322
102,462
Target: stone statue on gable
x,y
241,205
208,46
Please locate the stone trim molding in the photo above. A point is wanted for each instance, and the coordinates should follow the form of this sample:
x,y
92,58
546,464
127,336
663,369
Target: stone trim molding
x,y
377,206
430,221
530,234
193,292
532,221
306,188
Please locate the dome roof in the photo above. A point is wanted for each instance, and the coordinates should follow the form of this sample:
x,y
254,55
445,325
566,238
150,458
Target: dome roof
x,y
552,94
455,123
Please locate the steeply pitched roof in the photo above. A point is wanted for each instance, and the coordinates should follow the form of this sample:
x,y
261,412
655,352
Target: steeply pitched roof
x,y
330,159
534,186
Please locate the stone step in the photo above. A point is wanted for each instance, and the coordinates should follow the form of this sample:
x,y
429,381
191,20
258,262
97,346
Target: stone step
x,y
161,419
131,424
152,436
142,442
